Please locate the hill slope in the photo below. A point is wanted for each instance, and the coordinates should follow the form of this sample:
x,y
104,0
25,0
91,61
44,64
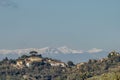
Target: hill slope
x,y
36,67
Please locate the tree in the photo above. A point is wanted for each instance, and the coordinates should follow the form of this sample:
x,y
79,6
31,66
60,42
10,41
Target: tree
x,y
6,59
113,54
33,53
39,55
70,63
24,56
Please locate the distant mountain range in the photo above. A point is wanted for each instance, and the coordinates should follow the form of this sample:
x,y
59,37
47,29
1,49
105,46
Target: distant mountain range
x,y
62,53
49,50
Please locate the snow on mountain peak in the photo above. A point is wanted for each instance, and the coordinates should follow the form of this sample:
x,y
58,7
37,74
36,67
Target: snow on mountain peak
x,y
49,50
65,49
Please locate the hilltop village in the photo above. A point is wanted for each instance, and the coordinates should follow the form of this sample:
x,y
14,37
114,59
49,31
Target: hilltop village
x,y
36,67
34,58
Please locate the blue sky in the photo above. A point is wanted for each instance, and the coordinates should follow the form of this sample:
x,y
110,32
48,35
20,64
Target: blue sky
x,y
79,24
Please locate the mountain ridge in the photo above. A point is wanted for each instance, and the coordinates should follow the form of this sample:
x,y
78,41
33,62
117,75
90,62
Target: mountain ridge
x,y
50,50
62,53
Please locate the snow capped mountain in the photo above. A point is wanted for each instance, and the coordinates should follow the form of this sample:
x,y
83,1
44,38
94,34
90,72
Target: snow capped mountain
x,y
46,50
49,50
61,53
65,49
